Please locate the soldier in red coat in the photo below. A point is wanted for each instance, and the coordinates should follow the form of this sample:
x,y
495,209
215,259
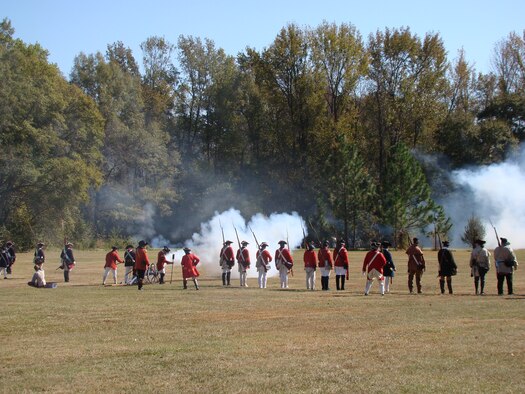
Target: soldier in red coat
x,y
226,262
112,259
373,268
416,265
189,268
263,264
243,263
326,263
341,264
310,264
141,263
283,263
162,261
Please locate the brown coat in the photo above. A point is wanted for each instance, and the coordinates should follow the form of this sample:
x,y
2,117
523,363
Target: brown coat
x,y
416,260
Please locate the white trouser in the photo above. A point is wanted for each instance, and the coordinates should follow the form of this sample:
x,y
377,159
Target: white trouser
x,y
262,279
374,274
5,271
387,283
106,272
340,270
283,276
310,278
128,275
242,278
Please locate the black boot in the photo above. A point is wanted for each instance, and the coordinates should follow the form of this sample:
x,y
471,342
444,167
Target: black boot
x,y
228,276
442,286
224,278
323,282
476,283
449,285
342,282
66,276
337,282
139,282
196,284
185,283
161,280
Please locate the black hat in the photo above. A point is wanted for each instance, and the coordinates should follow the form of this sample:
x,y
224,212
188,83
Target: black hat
x,y
415,240
129,247
446,243
166,249
282,242
311,245
114,248
227,242
142,243
480,242
374,245
326,243
264,244
244,243
385,244
187,250
40,244
503,240
9,243
341,242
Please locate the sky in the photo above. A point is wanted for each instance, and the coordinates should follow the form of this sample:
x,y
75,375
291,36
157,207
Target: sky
x,y
66,28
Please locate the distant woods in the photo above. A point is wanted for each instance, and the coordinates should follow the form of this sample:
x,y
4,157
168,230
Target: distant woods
x,y
322,121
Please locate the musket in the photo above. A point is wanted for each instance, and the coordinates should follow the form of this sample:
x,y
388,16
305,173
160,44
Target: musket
x,y
222,230
258,249
304,237
496,232
288,243
172,264
240,249
316,234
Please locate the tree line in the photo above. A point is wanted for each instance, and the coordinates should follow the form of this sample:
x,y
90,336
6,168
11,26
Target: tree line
x,y
322,121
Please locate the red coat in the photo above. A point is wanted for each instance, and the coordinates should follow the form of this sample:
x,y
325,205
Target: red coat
x,y
378,262
245,259
310,259
189,269
266,257
111,260
226,253
341,257
161,260
324,255
282,255
141,259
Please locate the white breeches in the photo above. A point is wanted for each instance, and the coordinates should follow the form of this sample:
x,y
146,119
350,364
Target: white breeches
x,y
325,272
262,279
310,278
106,273
387,283
340,270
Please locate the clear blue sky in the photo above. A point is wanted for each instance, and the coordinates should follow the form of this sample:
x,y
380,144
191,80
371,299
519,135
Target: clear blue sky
x,y
66,28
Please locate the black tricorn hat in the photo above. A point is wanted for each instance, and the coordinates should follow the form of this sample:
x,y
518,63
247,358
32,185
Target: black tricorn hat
x,y
385,244
282,242
187,249
480,242
114,248
446,243
142,243
129,247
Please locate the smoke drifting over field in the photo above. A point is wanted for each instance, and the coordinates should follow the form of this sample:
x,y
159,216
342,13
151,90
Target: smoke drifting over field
x,y
271,229
495,192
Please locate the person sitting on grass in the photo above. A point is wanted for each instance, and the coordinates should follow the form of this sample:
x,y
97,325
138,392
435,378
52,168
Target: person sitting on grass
x,y
39,277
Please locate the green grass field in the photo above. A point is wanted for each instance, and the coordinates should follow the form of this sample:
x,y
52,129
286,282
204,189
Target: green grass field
x,y
84,337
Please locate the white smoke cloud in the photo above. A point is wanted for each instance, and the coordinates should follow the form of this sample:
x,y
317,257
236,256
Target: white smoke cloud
x,y
271,229
492,193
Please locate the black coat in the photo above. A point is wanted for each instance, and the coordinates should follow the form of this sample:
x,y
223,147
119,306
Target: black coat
x,y
447,265
389,268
